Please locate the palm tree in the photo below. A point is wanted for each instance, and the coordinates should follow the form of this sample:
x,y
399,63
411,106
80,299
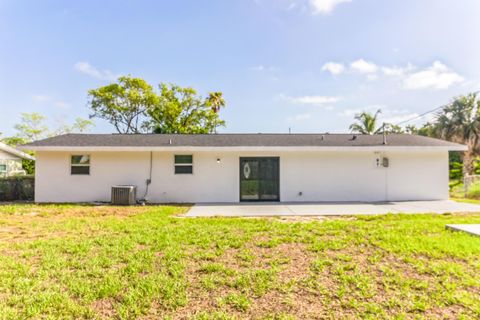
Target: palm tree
x,y
460,122
366,123
216,102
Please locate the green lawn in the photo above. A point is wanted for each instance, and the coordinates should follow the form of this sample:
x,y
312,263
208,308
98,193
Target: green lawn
x,y
111,262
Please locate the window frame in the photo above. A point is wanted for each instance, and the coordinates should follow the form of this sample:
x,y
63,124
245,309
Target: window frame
x,y
187,164
80,164
6,168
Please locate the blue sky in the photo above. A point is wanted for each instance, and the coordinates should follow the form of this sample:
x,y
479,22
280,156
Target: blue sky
x,y
305,64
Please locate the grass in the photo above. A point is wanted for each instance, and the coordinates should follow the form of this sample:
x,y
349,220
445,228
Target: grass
x,y
70,261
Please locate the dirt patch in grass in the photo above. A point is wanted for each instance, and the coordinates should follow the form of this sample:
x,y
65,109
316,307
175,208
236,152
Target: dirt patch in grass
x,y
260,278
333,283
104,308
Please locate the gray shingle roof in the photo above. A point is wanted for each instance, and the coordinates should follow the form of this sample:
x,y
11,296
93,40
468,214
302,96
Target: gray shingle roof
x,y
237,140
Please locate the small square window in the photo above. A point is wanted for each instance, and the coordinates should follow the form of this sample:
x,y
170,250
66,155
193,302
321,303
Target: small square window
x,y
183,164
3,168
80,165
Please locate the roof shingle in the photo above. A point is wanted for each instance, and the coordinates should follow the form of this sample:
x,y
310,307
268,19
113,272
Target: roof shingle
x,y
237,140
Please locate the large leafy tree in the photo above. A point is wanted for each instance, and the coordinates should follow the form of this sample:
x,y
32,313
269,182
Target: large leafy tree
x,y
182,110
366,123
125,104
132,105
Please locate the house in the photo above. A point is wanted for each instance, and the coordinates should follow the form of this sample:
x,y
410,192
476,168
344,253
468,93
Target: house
x,y
11,161
242,167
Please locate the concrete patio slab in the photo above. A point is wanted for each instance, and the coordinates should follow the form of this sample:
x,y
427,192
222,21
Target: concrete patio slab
x,y
468,228
327,209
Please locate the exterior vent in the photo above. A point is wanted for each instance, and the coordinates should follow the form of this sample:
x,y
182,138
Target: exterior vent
x,y
124,195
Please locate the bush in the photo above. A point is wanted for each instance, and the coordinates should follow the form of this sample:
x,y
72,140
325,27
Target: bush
x,y
474,191
17,188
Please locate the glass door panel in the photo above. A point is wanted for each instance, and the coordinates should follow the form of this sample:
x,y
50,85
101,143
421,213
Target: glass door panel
x,y
259,179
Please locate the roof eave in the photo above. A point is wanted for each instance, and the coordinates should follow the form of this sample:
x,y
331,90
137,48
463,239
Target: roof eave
x,y
457,147
16,152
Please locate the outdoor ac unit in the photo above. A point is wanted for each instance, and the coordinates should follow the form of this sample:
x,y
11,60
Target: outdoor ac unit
x,y
124,195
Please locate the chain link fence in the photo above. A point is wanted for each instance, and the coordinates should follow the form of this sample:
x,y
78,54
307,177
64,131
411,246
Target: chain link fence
x,y
19,188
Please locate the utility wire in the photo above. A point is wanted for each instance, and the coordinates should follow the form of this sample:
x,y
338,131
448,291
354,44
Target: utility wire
x,y
427,112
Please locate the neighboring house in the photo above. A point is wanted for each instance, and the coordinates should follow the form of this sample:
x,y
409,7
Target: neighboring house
x,y
11,161
243,167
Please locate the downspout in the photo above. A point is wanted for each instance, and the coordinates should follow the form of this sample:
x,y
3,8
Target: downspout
x,y
149,180
384,142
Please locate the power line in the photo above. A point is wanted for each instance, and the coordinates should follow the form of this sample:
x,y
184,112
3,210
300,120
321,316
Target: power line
x,y
427,112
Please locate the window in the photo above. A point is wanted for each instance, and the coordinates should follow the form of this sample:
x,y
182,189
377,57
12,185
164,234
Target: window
x,y
183,164
80,164
3,168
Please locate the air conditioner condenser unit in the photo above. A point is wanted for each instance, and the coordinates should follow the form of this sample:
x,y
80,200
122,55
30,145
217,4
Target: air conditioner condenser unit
x,y
124,195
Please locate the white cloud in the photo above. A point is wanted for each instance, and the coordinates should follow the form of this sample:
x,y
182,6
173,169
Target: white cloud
x,y
363,66
325,6
438,76
393,71
333,67
88,69
396,71
312,100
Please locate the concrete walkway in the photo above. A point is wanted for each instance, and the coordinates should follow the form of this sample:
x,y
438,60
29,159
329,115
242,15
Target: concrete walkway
x,y
473,229
327,209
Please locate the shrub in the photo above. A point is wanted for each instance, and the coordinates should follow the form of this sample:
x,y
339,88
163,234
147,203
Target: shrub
x,y
474,191
17,188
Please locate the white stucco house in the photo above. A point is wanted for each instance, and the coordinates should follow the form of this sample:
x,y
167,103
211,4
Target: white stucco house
x,y
242,167
11,161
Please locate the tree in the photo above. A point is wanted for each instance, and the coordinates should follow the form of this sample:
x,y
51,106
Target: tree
x,y
133,106
392,128
182,110
427,130
79,126
32,127
124,104
460,122
366,123
216,102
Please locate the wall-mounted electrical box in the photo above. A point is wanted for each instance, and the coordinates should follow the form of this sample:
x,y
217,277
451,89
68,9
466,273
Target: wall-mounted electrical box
x,y
382,162
385,162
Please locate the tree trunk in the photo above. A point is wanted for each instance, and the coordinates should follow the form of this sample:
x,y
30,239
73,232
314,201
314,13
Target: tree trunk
x,y
468,167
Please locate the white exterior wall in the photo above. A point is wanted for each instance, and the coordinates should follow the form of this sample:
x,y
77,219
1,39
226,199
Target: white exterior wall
x,y
13,162
318,175
5,155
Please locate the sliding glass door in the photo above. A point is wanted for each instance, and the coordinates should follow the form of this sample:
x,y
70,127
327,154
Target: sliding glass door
x,y
259,179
